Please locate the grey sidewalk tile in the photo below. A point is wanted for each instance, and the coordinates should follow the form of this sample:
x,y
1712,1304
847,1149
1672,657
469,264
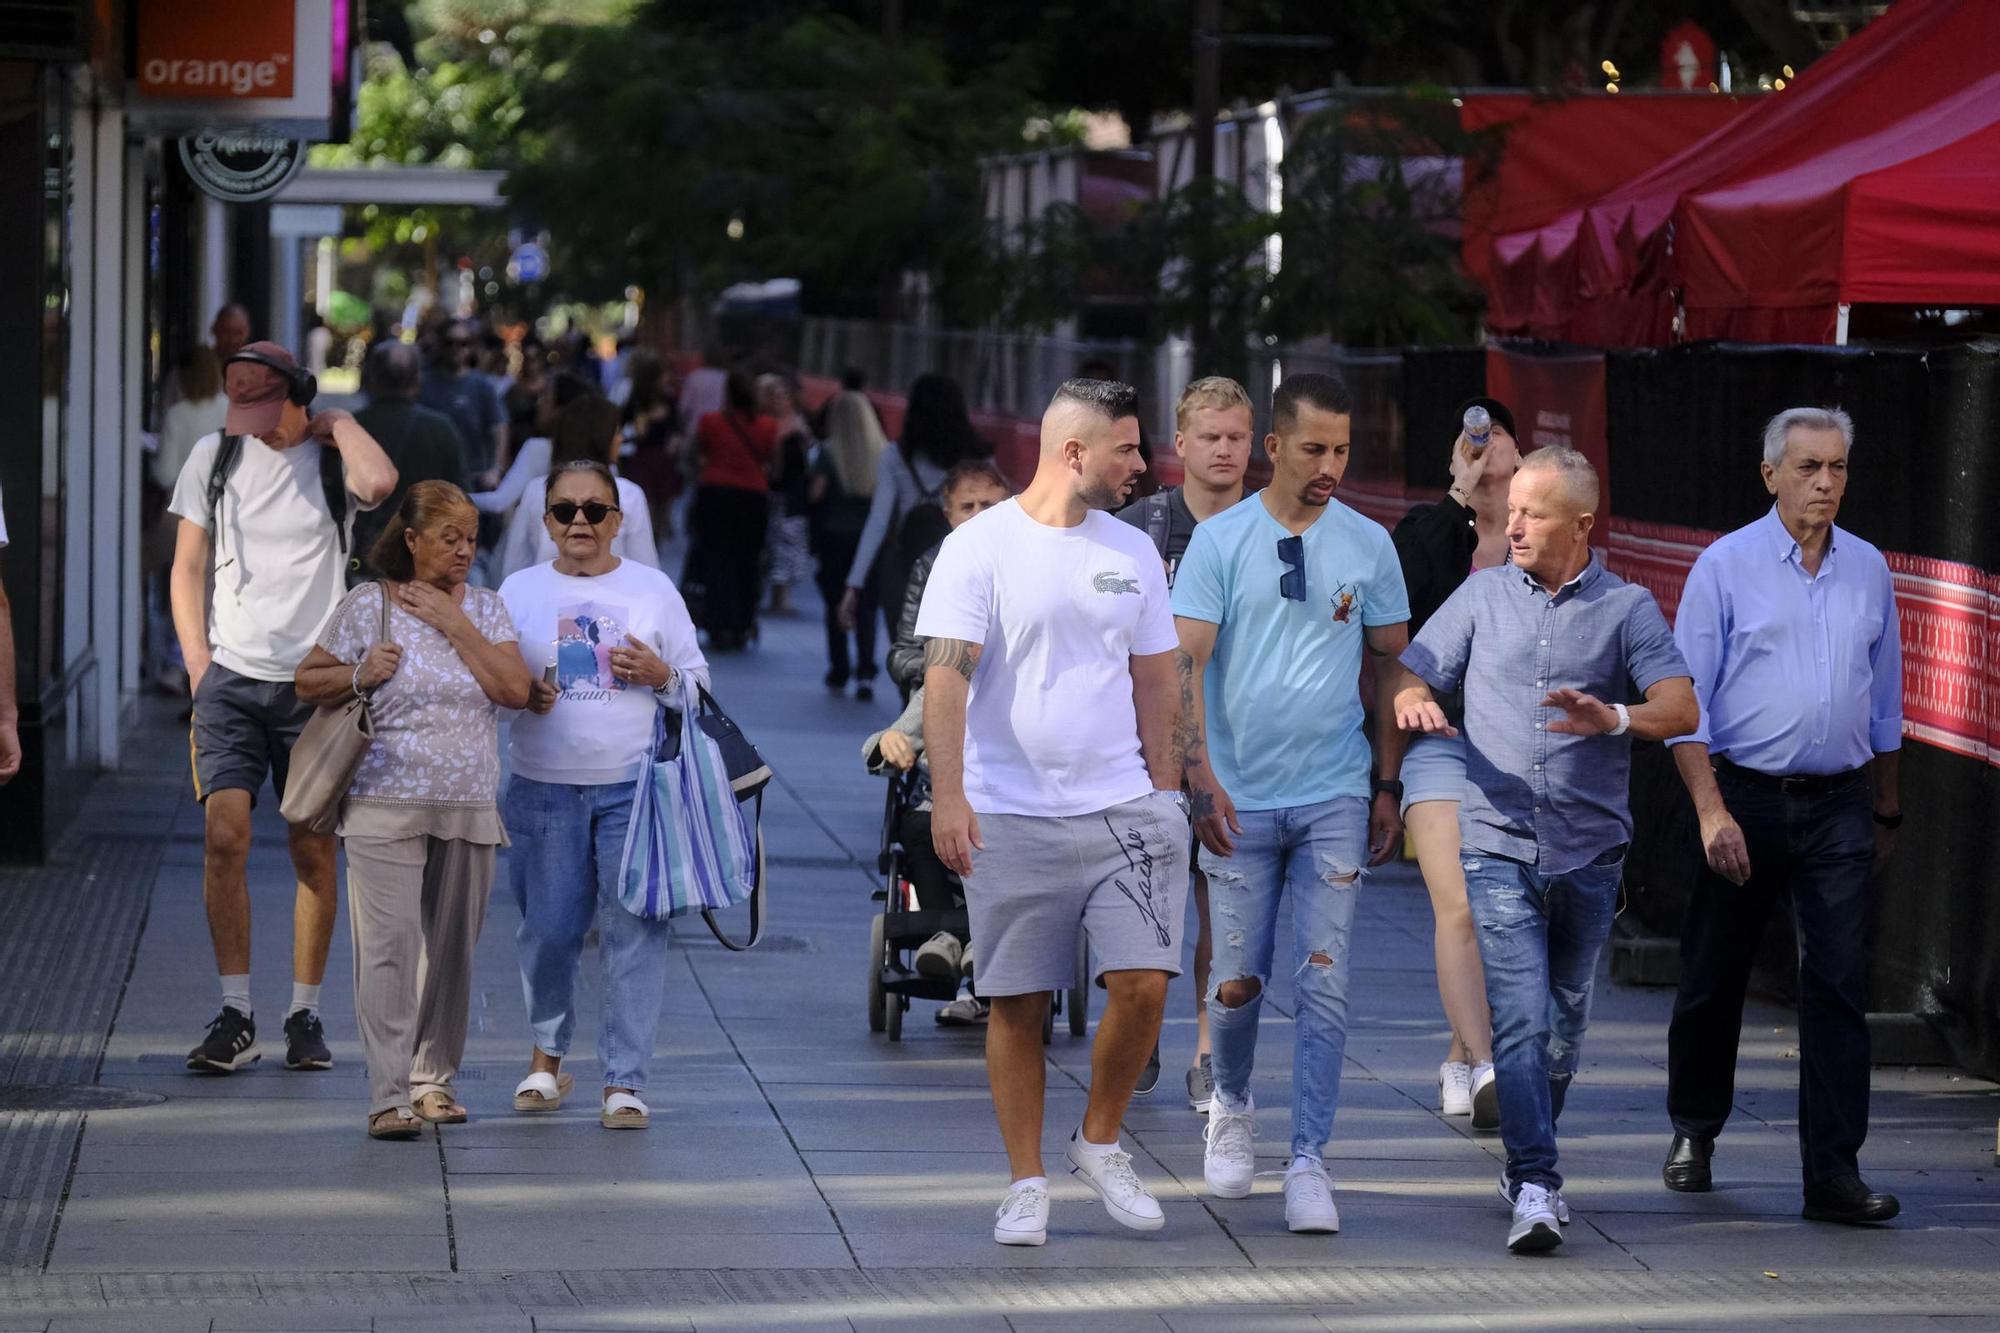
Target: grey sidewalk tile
x,y
1228,1319
1076,1240
793,1319
928,1322
133,1321
433,1321
633,1321
116,1250
536,1243
1088,1321
292,1321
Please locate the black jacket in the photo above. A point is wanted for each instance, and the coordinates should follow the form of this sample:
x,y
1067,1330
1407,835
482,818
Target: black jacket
x,y
1434,544
906,653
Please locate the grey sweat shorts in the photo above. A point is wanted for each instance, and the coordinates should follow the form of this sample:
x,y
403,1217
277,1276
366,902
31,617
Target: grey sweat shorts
x,y
1121,874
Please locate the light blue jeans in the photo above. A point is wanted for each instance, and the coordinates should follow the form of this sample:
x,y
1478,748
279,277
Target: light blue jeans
x,y
567,843
1318,852
1539,939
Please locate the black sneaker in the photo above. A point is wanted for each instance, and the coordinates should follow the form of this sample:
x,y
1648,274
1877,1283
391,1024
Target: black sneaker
x,y
305,1042
1149,1077
231,1043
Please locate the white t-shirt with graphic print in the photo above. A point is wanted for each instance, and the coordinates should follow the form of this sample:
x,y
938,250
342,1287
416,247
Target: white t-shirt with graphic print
x,y
601,727
1050,725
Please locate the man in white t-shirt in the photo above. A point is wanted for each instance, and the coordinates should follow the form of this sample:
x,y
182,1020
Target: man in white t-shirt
x,y
276,552
10,711
1049,710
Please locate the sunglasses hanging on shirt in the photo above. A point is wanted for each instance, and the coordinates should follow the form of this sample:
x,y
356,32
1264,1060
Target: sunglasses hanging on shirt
x,y
1292,581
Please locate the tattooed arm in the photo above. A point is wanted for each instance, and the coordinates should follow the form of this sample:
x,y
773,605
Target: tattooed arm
x,y
1214,814
948,668
1155,698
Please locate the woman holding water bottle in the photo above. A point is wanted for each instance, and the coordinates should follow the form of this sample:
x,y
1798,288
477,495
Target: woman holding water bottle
x,y
1440,545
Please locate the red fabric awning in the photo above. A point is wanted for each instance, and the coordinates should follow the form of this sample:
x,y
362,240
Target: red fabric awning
x,y
1607,273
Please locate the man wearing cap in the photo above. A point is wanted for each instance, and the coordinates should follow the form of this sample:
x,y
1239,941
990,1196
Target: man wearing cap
x,y
273,543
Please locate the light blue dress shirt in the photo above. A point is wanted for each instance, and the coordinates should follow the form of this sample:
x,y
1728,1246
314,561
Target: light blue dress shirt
x,y
1796,672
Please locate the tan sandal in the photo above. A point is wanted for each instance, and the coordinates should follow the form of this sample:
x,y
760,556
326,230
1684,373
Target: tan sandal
x,y
439,1108
393,1124
542,1091
623,1111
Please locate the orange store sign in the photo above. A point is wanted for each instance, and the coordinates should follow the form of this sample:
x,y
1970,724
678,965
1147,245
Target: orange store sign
x,y
216,48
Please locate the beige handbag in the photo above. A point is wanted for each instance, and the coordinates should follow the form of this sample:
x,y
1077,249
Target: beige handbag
x,y
327,753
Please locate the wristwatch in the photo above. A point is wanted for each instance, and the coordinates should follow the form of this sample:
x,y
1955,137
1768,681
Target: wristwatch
x,y
1624,720
1394,786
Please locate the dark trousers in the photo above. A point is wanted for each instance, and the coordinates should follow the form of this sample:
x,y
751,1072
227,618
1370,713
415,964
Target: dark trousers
x,y
938,889
836,555
728,523
1820,851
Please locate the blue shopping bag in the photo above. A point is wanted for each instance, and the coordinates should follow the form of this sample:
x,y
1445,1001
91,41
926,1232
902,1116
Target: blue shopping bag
x,y
691,845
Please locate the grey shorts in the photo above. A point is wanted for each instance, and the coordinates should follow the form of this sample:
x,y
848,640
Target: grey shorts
x,y
1121,874
1434,770
243,729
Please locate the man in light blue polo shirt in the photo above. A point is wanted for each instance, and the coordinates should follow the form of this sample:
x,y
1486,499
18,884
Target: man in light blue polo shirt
x,y
1273,602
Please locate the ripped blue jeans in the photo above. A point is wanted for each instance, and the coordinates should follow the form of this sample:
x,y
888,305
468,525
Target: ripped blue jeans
x,y
1316,851
1539,940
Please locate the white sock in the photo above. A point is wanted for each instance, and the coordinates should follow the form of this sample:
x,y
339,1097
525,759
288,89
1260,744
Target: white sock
x,y
1090,1149
303,997
236,992
1301,1162
1038,1182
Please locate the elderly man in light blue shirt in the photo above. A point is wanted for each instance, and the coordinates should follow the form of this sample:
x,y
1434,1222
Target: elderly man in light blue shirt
x,y
1789,625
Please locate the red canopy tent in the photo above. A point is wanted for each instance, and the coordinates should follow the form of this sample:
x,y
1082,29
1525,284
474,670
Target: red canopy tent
x,y
1608,273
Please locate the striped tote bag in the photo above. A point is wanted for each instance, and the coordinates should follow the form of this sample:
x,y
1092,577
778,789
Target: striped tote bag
x,y
690,846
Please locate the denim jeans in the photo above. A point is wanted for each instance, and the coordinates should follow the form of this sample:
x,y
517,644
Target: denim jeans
x,y
567,843
1317,851
1539,939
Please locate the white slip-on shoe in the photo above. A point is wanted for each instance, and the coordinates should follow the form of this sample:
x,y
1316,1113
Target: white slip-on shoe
x,y
1229,1161
1534,1229
938,957
1558,1204
1309,1198
1023,1217
1485,1098
1111,1175
1455,1088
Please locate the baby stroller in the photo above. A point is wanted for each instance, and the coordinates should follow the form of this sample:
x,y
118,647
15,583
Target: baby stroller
x,y
901,928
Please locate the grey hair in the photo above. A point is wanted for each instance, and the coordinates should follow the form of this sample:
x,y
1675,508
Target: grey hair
x,y
1110,399
1778,432
1576,471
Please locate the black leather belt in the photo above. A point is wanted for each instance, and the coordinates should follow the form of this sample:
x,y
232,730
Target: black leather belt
x,y
1796,784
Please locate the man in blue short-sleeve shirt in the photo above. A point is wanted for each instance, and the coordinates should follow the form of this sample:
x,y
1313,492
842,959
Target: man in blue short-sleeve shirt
x,y
1563,664
1273,603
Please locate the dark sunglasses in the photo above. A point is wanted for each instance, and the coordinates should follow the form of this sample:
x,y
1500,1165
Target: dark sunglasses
x,y
1292,581
593,511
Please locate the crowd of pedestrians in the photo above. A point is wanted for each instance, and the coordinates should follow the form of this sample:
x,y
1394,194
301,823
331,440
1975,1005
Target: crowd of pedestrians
x,y
1106,722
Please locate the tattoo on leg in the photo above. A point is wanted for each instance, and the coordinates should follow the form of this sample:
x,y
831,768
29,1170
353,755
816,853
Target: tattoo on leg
x,y
957,654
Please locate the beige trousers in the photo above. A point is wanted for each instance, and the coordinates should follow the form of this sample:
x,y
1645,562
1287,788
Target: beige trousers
x,y
415,905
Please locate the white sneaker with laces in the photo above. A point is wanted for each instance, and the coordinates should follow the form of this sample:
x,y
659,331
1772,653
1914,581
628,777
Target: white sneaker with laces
x,y
938,957
1229,1161
1023,1219
1485,1097
1535,1228
1557,1203
1111,1175
1309,1198
1455,1088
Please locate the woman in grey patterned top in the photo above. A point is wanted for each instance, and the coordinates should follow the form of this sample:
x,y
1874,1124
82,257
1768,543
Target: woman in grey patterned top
x,y
420,823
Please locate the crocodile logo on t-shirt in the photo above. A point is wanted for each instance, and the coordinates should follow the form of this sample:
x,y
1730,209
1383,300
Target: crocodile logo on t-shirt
x,y
1112,582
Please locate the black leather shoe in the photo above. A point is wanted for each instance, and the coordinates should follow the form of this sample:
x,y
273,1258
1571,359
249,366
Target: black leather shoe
x,y
1847,1199
1686,1170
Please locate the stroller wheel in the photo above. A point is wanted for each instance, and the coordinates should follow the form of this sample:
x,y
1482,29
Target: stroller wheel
x,y
878,956
896,1005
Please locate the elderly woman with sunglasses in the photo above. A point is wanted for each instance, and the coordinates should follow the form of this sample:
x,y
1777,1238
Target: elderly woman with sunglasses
x,y
607,639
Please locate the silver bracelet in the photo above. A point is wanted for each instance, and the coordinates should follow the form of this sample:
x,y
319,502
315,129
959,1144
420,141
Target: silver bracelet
x,y
354,681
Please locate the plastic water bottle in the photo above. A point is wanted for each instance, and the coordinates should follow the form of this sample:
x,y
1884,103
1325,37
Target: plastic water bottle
x,y
1478,427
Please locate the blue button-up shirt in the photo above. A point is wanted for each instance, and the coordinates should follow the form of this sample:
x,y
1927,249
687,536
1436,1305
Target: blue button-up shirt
x,y
1796,672
1552,800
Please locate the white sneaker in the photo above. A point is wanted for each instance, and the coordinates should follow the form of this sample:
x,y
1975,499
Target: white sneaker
x,y
938,957
1229,1161
1024,1218
1309,1198
1485,1106
1455,1088
1558,1204
1535,1228
1111,1175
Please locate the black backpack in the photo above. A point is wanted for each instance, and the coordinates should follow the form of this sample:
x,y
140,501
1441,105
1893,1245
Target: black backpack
x,y
331,481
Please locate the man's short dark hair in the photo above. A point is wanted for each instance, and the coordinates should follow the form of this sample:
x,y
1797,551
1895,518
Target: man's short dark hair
x,y
1314,388
1110,399
393,370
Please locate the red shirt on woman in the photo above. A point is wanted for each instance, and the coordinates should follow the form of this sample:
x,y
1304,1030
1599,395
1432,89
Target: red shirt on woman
x,y
736,449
